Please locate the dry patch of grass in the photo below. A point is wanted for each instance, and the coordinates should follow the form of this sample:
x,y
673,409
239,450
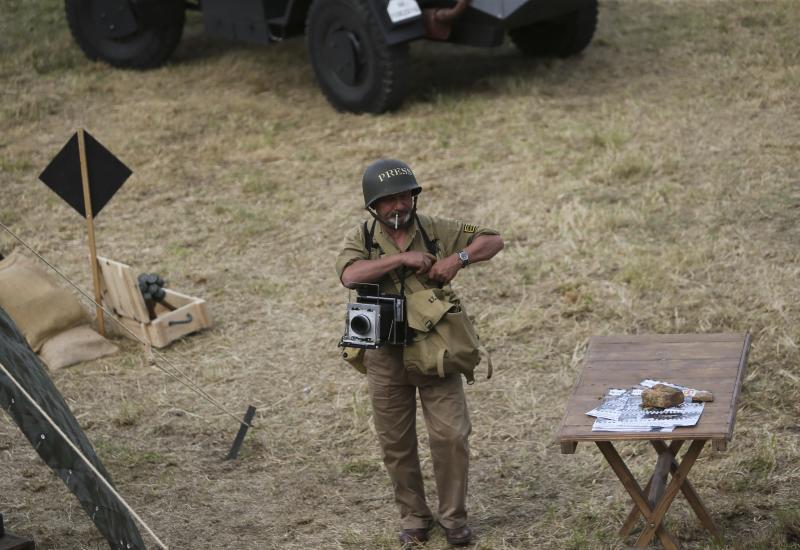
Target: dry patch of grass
x,y
650,185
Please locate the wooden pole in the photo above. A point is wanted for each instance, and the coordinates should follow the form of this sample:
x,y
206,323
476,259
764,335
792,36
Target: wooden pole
x,y
87,204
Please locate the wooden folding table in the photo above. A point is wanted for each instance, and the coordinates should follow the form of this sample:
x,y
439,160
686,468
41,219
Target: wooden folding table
x,y
713,362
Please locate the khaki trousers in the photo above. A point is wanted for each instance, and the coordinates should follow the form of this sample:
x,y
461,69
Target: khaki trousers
x,y
444,407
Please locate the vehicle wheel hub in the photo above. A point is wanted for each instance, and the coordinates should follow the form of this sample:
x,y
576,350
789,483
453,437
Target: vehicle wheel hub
x,y
113,19
344,55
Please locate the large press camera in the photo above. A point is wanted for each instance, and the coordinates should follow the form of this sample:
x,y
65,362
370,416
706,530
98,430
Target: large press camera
x,y
375,319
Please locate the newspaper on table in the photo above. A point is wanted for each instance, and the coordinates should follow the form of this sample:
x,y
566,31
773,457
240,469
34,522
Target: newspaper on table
x,y
621,411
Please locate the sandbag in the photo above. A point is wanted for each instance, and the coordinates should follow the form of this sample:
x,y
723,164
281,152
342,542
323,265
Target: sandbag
x,y
38,305
73,346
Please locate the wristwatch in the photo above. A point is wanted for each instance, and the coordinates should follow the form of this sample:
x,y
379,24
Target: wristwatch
x,y
464,257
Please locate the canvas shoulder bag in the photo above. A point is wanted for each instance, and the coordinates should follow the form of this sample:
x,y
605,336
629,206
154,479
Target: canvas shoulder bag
x,y
444,339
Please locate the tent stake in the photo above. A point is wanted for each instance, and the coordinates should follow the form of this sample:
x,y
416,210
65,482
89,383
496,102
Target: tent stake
x,y
237,443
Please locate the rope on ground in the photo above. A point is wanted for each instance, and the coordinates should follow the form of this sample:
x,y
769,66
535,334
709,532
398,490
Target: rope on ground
x,y
81,455
180,376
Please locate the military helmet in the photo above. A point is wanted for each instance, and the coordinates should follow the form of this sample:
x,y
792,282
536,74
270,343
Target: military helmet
x,y
387,177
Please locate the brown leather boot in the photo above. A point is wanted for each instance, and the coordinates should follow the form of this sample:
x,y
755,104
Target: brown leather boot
x,y
458,536
413,537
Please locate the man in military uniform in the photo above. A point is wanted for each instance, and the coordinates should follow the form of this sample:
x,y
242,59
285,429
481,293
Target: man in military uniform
x,y
397,247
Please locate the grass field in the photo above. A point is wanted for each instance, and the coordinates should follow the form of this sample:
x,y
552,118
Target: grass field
x,y
650,185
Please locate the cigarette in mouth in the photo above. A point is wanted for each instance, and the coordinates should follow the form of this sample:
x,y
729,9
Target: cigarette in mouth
x,y
395,220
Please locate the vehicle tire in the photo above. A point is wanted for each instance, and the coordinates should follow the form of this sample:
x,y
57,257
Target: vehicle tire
x,y
144,48
354,66
562,37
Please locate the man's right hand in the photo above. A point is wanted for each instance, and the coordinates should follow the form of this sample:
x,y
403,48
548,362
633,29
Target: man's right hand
x,y
421,261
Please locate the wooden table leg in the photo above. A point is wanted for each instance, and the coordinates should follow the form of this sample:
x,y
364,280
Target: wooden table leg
x,y
691,495
639,499
660,478
678,477
634,514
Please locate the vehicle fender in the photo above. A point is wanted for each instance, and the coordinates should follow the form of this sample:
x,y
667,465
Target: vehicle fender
x,y
120,18
158,13
396,33
392,33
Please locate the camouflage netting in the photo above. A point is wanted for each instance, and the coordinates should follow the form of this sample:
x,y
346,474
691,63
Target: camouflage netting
x,y
108,514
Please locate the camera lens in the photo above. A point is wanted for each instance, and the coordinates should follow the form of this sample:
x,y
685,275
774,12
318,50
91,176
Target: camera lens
x,y
360,324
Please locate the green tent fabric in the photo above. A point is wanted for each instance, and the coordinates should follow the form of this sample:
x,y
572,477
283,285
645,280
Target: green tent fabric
x,y
105,510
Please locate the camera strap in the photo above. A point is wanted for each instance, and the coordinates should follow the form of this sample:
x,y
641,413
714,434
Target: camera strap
x,y
369,238
369,244
430,246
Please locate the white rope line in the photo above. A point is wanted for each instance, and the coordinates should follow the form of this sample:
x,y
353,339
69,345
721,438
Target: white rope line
x,y
86,460
186,381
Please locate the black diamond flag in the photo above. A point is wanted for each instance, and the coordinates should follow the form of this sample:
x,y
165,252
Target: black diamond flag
x,y
106,174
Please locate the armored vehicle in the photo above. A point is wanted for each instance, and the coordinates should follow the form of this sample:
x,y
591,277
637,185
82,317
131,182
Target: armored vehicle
x,y
358,48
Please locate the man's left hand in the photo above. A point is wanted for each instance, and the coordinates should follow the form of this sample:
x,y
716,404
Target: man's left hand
x,y
445,269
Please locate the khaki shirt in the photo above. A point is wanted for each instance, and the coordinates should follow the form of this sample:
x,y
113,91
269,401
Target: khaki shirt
x,y
452,236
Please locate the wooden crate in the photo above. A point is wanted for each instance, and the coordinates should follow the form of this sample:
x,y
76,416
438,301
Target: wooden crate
x,y
122,296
